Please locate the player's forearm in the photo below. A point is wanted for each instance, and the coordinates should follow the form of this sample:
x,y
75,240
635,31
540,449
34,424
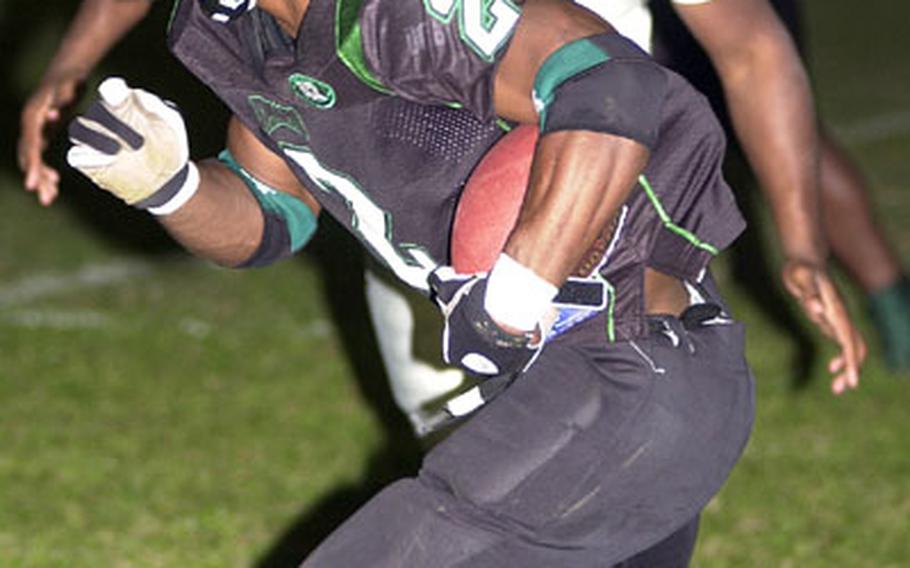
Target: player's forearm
x,y
96,28
222,222
579,181
771,107
496,323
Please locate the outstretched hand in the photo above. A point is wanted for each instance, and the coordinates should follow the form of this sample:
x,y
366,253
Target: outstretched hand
x,y
811,285
44,108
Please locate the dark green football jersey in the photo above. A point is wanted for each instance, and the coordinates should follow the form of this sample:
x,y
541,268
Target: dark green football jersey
x,y
388,168
383,107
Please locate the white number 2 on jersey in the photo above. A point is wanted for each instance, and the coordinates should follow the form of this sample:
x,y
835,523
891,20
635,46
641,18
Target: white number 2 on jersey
x,y
484,25
410,263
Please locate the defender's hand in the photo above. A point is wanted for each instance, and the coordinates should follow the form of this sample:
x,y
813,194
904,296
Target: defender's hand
x,y
822,303
134,144
43,108
472,340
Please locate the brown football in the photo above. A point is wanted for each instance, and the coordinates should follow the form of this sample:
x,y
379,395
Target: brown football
x,y
489,204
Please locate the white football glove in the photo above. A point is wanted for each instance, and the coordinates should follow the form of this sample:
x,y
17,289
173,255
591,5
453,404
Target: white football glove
x,y
133,144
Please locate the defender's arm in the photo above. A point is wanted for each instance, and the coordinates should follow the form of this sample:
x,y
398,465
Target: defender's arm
x,y
96,28
771,106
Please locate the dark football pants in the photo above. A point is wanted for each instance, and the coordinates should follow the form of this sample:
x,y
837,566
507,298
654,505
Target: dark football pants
x,y
598,453
675,551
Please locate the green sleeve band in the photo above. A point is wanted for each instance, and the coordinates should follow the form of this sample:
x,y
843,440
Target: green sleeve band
x,y
298,218
566,62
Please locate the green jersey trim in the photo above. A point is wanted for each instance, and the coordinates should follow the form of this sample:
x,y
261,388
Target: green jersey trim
x,y
669,224
298,217
172,16
349,43
611,312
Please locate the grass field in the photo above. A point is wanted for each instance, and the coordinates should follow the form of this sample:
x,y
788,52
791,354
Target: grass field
x,y
157,411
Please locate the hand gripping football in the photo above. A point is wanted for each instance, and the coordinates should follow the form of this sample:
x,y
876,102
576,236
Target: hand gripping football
x,y
489,205
488,211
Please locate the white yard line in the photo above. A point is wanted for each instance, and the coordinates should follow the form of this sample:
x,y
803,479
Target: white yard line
x,y
319,327
57,319
41,286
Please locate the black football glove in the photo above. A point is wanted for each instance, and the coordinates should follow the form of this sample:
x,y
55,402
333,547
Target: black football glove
x,y
471,339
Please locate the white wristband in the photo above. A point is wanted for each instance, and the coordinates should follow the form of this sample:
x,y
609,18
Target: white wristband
x,y
186,191
516,296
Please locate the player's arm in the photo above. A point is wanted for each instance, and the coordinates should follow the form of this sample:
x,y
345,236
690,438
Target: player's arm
x,y
583,171
245,208
241,212
581,174
770,103
96,28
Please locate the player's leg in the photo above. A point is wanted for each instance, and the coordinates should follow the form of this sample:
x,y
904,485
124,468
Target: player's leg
x,y
860,246
675,551
598,452
418,380
853,234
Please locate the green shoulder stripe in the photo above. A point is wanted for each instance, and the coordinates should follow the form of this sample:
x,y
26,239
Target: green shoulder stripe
x,y
349,46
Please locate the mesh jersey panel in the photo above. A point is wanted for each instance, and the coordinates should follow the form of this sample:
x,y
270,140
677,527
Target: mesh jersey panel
x,y
440,132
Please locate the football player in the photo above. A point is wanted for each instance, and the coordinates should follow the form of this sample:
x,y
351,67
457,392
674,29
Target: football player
x,y
612,434
416,377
